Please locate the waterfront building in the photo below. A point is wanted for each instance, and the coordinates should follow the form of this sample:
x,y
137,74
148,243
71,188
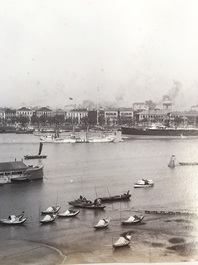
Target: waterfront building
x,y
44,111
76,115
23,111
150,116
125,115
111,116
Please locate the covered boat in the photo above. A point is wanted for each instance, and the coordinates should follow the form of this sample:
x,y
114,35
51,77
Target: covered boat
x,y
14,219
124,240
18,171
69,213
51,210
133,220
144,183
49,218
103,223
122,197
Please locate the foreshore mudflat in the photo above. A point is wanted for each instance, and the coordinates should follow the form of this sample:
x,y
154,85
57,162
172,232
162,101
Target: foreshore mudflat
x,y
158,239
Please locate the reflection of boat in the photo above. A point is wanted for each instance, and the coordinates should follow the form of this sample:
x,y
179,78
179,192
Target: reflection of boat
x,y
51,210
124,196
160,131
188,163
123,240
133,220
69,213
49,218
14,219
144,183
103,223
39,156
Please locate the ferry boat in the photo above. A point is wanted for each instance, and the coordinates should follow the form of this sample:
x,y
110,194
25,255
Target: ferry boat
x,y
17,171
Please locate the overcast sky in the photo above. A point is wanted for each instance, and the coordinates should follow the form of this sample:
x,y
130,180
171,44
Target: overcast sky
x,y
128,50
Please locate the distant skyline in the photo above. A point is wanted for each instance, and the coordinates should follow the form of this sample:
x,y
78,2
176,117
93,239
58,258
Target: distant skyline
x,y
121,51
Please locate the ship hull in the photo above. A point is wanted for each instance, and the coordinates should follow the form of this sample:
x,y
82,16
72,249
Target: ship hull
x,y
159,132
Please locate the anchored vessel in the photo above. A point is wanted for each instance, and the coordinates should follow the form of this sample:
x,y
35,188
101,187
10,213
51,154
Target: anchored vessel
x,y
17,171
160,131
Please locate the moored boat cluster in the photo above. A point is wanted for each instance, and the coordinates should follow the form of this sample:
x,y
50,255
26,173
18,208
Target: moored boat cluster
x,y
52,213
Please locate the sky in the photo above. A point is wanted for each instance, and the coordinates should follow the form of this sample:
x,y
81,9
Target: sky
x,y
121,51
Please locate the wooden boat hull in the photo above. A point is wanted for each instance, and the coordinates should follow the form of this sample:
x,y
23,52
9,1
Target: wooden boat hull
x,y
35,157
132,222
121,246
143,185
115,198
101,226
48,221
51,212
94,207
8,222
68,215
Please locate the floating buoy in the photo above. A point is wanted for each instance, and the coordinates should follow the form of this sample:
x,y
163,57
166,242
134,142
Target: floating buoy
x,y
172,162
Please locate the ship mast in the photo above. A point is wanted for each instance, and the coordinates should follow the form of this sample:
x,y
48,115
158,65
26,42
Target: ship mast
x,y
97,108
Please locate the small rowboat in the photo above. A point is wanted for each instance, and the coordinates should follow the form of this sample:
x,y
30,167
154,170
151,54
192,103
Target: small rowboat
x,y
49,218
123,241
103,223
13,220
133,220
69,213
51,210
144,183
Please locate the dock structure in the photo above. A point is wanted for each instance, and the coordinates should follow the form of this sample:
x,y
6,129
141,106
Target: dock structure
x,y
171,212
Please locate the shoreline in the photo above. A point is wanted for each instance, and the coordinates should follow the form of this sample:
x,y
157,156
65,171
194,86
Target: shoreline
x,y
163,239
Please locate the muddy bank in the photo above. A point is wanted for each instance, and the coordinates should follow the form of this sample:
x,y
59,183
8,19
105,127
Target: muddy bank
x,y
159,238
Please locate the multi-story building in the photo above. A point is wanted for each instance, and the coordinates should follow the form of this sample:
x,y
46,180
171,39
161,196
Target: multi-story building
x,y
10,114
23,111
125,115
111,116
151,116
44,111
76,115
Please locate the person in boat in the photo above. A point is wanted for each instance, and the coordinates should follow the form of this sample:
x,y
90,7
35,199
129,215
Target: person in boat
x,y
145,181
136,217
97,202
20,216
83,199
105,221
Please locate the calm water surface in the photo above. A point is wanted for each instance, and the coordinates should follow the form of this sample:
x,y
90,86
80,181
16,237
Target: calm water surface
x,y
97,170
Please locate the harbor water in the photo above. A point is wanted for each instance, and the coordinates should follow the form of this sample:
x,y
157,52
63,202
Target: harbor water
x,y
96,170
